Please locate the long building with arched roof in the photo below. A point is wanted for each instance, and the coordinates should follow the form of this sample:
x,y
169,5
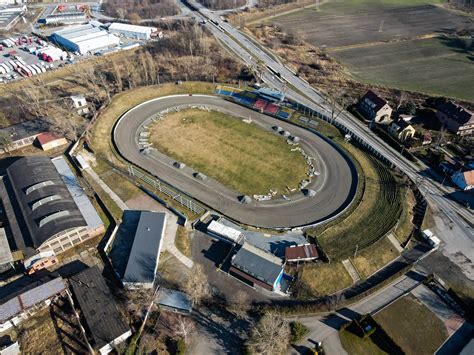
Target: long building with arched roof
x,y
45,210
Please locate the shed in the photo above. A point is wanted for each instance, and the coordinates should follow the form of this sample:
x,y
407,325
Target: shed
x,y
175,301
223,232
48,141
304,252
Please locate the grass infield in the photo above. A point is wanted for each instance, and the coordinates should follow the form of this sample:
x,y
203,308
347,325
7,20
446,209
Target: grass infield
x,y
239,155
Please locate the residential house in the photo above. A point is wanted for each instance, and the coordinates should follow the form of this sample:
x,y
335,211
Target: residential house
x,y
456,118
79,103
464,179
401,130
374,108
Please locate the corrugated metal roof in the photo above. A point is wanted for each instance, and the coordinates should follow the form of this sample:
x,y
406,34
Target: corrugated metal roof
x,y
131,28
30,298
78,195
174,299
144,255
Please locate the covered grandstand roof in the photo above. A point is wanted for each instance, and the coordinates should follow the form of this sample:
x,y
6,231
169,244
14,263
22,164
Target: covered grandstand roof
x,y
42,200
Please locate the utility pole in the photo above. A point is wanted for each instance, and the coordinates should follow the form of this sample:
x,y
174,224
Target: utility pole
x,y
381,25
355,253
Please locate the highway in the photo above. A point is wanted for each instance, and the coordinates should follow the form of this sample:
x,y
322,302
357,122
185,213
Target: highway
x,y
335,185
455,232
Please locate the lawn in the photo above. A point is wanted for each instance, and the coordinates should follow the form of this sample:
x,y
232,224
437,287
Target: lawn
x,y
412,326
240,155
375,257
434,66
359,346
324,279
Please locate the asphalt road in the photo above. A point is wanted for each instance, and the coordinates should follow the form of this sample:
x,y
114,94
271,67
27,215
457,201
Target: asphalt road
x,y
335,185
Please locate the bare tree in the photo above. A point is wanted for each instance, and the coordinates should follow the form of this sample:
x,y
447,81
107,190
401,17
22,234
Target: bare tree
x,y
240,303
271,335
338,102
402,96
197,285
183,327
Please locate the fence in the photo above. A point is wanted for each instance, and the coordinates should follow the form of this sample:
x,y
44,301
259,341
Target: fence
x,y
182,199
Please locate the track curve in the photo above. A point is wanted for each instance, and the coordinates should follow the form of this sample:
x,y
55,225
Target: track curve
x,y
335,186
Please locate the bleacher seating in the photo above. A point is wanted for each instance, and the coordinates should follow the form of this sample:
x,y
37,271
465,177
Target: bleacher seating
x,y
271,109
260,104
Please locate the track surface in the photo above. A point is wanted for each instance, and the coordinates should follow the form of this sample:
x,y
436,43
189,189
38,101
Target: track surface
x,y
335,186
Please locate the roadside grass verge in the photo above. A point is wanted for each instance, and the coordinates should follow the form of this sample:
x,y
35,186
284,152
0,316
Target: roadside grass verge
x,y
323,279
412,326
124,188
375,257
183,241
239,155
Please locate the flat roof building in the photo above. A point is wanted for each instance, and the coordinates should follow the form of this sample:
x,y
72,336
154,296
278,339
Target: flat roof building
x,y
136,249
85,38
23,134
132,31
257,267
174,301
105,325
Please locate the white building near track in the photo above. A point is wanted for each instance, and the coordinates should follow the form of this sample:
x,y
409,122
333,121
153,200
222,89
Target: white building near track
x,y
85,38
132,31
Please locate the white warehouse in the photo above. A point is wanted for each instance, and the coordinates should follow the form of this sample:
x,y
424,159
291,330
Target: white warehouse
x,y
132,31
85,38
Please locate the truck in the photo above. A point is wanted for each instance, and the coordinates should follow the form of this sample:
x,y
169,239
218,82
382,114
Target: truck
x,y
432,239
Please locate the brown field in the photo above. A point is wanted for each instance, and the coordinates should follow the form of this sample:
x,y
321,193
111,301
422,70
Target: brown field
x,y
350,22
241,156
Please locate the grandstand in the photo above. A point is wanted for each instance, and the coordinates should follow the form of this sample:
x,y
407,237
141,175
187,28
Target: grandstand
x,y
255,100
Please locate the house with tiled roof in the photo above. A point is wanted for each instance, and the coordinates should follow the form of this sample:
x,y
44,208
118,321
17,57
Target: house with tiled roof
x,y
456,118
401,130
375,108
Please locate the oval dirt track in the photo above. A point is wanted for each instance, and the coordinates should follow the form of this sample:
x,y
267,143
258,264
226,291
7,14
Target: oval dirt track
x,y
335,186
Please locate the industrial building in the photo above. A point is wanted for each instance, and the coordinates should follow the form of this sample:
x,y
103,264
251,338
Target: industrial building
x,y
85,39
9,16
136,249
132,31
47,210
257,268
25,296
104,324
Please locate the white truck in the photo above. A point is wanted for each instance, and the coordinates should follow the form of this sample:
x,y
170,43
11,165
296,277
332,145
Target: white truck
x,y
432,240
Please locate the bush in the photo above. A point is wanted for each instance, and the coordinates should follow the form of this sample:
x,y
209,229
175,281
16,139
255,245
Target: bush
x,y
298,331
180,347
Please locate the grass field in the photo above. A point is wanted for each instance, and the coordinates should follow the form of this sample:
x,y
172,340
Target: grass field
x,y
241,156
324,279
375,257
412,326
358,346
411,65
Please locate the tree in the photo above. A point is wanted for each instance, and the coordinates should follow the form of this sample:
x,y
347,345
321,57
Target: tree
x,y
196,285
240,303
183,328
338,101
271,335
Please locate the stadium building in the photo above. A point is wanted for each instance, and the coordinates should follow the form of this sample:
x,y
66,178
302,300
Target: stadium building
x,y
46,208
132,31
85,39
